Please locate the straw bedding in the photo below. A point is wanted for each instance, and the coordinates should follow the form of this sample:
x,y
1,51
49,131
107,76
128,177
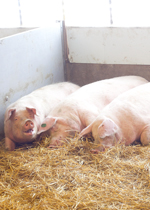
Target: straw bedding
x,y
70,177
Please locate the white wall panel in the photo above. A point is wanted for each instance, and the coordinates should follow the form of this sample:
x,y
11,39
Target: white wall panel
x,y
109,45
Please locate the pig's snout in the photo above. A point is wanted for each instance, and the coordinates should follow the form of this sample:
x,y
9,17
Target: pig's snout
x,y
29,125
55,144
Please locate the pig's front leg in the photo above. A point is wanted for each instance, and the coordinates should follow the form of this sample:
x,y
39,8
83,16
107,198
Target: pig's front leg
x,y
98,150
9,144
145,136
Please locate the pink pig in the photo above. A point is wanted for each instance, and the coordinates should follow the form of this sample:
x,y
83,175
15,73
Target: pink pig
x,y
24,117
124,120
79,109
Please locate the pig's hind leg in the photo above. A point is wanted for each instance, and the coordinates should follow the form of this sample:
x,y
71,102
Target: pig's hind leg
x,y
145,136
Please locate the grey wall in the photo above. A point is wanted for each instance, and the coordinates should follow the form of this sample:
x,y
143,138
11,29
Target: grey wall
x,y
84,73
29,60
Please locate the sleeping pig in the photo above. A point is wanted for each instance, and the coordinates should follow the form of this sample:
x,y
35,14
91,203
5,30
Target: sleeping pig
x,y
79,109
24,117
124,120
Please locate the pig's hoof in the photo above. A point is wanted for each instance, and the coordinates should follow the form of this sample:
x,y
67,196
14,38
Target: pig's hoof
x,y
95,151
98,150
52,147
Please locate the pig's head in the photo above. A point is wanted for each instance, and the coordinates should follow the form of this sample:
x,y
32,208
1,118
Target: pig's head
x,y
105,132
20,126
59,128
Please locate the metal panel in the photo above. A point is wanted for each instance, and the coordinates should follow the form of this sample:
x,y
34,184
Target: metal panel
x,y
109,45
29,60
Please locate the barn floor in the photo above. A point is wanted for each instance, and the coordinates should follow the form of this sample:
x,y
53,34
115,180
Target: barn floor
x,y
35,177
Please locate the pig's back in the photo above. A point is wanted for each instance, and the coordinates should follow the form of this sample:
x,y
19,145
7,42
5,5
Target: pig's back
x,y
48,95
106,90
134,102
58,90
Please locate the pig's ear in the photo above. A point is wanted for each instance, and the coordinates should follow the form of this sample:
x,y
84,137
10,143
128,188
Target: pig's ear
x,y
32,110
86,130
9,113
9,144
107,128
48,123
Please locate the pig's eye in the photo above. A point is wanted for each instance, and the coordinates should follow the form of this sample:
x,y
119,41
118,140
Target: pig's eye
x,y
15,118
71,133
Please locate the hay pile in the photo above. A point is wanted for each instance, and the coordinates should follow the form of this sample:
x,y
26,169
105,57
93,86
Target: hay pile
x,y
35,177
